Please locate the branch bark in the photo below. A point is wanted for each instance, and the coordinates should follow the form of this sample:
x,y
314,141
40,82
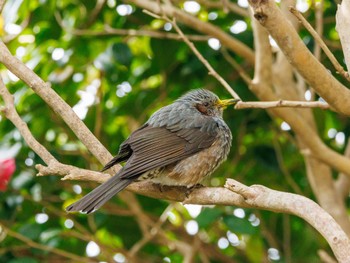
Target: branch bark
x,y
262,87
256,196
270,16
319,174
55,102
343,25
263,197
11,114
280,104
320,43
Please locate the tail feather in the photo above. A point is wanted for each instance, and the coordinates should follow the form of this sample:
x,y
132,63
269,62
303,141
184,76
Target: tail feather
x,y
100,195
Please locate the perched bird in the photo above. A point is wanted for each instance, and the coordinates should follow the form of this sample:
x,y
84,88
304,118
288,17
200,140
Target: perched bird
x,y
179,145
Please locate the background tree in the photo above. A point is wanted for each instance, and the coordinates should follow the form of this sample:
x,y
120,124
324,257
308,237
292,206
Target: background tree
x,y
113,64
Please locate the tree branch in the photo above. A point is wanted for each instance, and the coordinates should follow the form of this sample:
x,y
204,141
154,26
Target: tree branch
x,y
50,249
56,103
211,70
342,26
265,198
280,103
269,15
206,28
320,43
262,89
251,197
11,114
109,31
318,173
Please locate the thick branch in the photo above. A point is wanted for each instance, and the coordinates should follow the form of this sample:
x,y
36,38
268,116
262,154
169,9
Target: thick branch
x,y
269,15
243,196
343,25
318,173
203,195
265,198
261,86
342,184
56,103
320,43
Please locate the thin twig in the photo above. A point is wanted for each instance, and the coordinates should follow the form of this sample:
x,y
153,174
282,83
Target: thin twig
x,y
95,12
244,75
197,53
153,231
110,31
45,91
320,42
318,5
281,103
34,244
195,23
283,168
10,112
9,37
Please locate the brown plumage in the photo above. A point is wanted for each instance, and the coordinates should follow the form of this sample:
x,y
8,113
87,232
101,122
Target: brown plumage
x,y
180,144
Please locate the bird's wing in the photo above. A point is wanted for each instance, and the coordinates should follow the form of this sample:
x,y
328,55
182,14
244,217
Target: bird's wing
x,y
148,148
123,154
154,147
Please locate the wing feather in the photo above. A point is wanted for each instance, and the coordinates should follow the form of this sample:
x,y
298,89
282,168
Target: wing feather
x,y
149,148
155,147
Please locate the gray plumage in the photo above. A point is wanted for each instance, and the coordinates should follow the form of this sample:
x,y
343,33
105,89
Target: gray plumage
x,y
180,144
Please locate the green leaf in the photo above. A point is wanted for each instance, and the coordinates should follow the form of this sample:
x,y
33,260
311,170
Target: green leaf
x,y
256,251
31,231
164,52
239,225
122,54
208,216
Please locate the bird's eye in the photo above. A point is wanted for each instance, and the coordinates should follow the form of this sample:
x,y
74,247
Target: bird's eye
x,y
206,104
202,108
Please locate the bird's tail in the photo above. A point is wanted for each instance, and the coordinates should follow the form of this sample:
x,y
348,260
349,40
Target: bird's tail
x,y
100,195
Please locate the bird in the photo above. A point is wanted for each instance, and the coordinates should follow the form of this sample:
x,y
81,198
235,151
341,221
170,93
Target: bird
x,y
180,145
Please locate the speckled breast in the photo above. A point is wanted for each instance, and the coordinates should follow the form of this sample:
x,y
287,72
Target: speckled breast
x,y
194,169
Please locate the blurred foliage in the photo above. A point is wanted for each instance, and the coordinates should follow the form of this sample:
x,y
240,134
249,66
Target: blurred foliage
x,y
115,83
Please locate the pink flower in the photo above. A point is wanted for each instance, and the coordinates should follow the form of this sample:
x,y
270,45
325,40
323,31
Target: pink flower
x,y
7,168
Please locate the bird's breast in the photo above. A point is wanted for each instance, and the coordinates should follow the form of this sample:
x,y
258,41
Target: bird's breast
x,y
192,170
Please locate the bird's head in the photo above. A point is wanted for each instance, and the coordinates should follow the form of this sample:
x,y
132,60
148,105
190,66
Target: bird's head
x,y
206,102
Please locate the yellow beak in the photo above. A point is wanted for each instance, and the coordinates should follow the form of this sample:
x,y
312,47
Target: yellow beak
x,y
225,103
